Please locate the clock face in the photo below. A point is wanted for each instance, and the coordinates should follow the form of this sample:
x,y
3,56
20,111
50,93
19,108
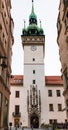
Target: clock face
x,y
33,48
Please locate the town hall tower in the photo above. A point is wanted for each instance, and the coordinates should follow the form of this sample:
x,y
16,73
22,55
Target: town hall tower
x,y
34,98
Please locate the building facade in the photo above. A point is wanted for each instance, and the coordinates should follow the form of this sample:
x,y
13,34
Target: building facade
x,y
54,101
33,96
62,40
6,42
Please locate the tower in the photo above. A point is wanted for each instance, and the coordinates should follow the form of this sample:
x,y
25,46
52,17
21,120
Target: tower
x,y
33,41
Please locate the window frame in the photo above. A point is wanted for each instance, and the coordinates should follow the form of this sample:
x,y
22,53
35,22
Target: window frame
x,y
17,94
34,81
17,109
50,93
59,107
58,93
51,107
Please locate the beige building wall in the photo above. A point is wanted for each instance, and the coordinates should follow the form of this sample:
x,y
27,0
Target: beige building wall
x,y
63,45
57,115
6,42
53,83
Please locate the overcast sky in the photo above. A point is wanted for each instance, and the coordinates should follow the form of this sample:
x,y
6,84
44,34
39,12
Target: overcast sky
x,y
47,11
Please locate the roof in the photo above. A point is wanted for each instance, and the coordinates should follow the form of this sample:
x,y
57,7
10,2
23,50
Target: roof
x,y
32,29
53,80
49,80
16,80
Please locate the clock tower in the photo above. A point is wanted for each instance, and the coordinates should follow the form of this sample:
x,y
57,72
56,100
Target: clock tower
x,y
34,95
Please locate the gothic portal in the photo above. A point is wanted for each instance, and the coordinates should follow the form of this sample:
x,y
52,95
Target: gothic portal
x,y
34,106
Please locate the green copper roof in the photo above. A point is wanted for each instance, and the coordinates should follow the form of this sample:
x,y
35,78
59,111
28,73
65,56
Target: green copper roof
x,y
33,28
32,15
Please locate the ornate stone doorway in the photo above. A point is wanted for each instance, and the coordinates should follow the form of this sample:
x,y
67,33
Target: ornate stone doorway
x,y
34,106
34,121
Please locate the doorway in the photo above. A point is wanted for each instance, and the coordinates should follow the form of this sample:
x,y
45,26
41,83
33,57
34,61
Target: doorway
x,y
34,121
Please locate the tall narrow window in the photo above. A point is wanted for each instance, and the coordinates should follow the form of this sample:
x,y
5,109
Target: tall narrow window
x,y
33,59
58,93
34,81
50,93
50,107
59,107
33,71
17,94
16,109
50,121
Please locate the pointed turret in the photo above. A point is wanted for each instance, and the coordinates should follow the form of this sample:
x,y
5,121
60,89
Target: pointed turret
x,y
41,29
33,29
32,17
24,29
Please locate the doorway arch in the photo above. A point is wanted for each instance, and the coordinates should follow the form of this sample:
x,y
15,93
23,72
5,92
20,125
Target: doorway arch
x,y
34,121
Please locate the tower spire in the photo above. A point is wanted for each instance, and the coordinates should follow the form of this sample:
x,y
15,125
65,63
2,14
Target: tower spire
x,y
32,6
33,28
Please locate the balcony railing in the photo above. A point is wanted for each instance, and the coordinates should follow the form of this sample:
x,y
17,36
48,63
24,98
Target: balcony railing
x,y
16,114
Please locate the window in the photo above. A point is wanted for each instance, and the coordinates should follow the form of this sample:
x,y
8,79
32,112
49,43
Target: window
x,y
58,93
34,81
16,109
0,26
65,120
50,93
59,107
2,5
17,94
33,59
50,107
51,121
55,121
33,71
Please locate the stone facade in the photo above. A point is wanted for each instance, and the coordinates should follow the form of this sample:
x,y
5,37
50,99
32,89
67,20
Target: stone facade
x,y
6,42
53,83
63,45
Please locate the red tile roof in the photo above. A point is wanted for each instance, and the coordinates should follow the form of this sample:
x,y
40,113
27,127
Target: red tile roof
x,y
16,80
53,80
49,80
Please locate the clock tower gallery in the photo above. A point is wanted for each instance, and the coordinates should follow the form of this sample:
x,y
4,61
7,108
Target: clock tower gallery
x,y
34,95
